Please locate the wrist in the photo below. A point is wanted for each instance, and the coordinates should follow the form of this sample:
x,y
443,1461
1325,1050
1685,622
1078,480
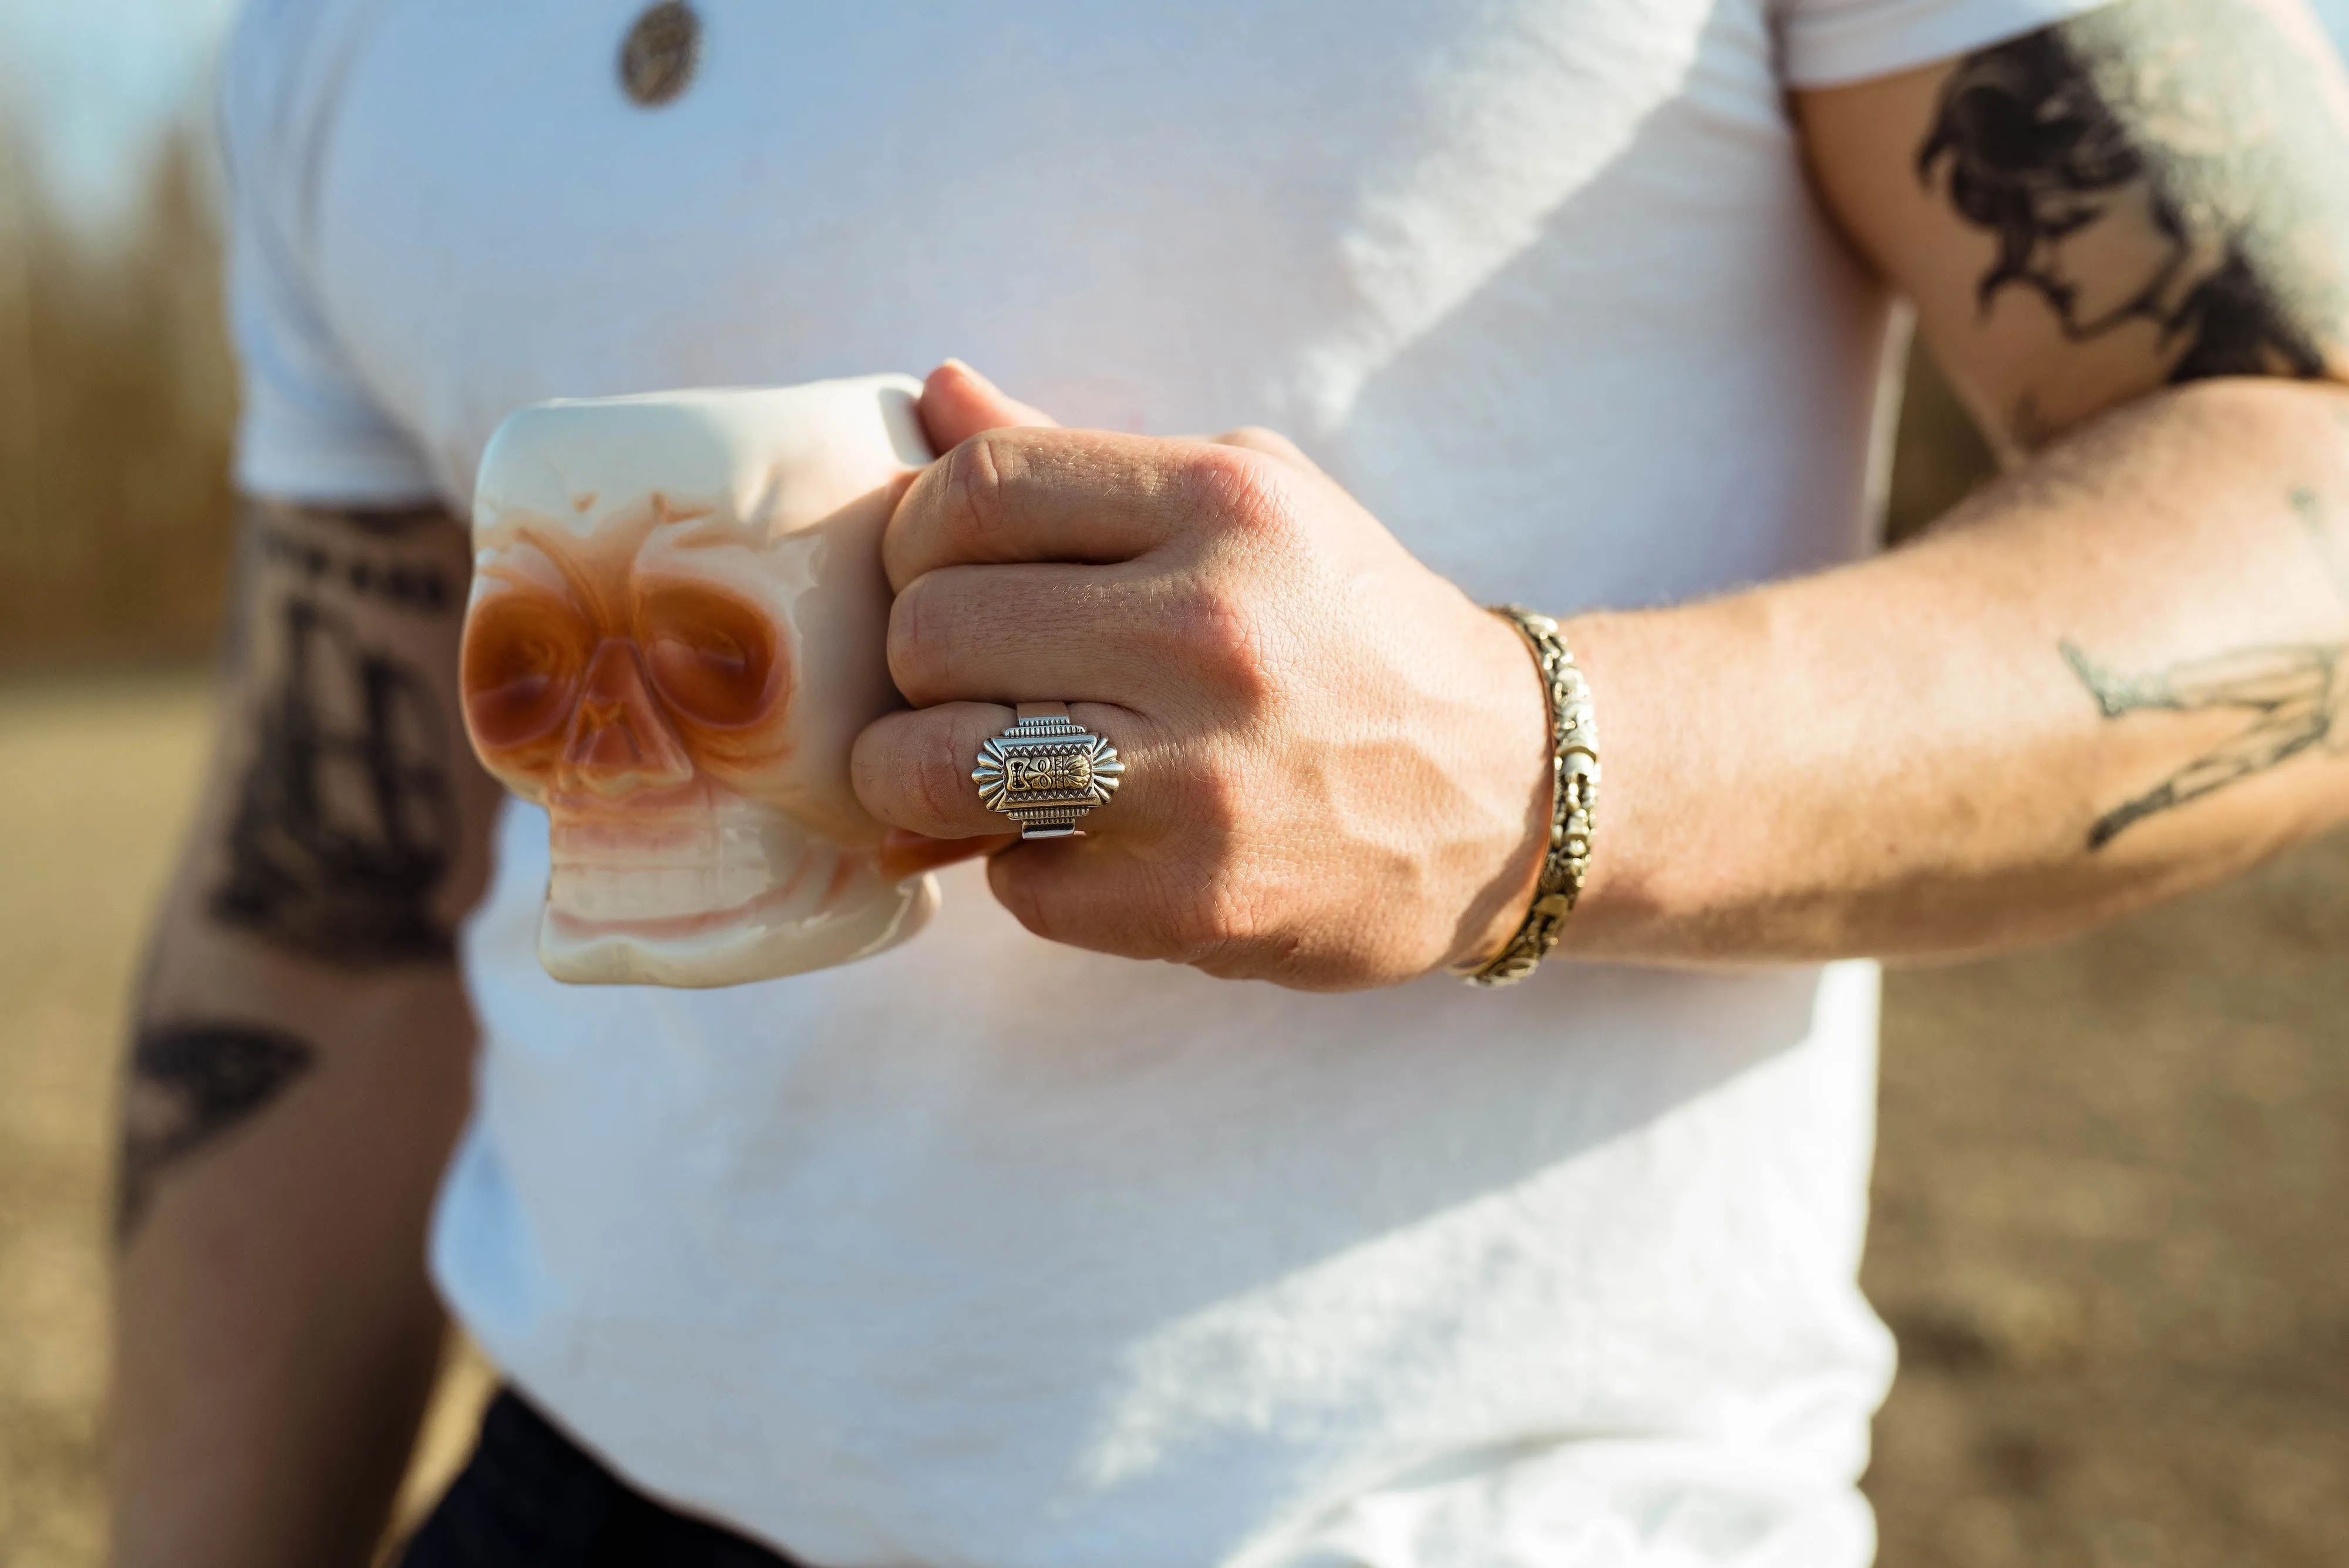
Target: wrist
x,y
1524,774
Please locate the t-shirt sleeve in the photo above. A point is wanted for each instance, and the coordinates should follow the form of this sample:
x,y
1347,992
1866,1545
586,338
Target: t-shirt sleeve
x,y
1827,43
307,429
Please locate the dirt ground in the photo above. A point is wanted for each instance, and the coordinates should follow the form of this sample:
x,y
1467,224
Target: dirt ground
x,y
2109,1232
2108,1203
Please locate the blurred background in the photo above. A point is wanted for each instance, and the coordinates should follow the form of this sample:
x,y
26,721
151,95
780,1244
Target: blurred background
x,y
2109,1193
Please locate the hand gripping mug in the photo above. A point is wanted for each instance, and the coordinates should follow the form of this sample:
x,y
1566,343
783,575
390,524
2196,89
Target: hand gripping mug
x,y
679,625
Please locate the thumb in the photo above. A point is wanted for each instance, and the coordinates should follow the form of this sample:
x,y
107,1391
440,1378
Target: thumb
x,y
957,402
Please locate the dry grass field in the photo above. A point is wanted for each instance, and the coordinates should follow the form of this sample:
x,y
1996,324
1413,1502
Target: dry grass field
x,y
2108,1221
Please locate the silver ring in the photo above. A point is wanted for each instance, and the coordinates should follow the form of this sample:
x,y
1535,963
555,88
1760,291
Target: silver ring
x,y
1046,772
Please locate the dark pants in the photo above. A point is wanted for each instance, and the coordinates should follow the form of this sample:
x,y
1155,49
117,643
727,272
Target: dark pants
x,y
530,1498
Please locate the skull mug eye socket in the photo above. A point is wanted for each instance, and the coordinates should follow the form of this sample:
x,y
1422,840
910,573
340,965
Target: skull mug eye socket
x,y
713,659
522,658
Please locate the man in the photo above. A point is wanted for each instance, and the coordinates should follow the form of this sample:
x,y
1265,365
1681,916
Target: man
x,y
1004,1248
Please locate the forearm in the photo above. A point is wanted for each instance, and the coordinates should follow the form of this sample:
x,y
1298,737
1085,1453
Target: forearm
x,y
2116,674
277,1337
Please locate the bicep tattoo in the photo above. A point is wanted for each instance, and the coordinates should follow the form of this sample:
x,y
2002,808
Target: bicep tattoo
x,y
343,826
2173,165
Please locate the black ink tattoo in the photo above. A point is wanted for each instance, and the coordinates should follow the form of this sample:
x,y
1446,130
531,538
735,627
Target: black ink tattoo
x,y
416,587
189,1085
2291,694
2195,120
346,821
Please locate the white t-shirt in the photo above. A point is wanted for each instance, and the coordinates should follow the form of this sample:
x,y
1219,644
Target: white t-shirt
x,y
988,1252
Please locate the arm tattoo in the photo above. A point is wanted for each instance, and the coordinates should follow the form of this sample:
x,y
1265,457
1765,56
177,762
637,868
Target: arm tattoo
x,y
2289,694
346,820
189,1085
2168,163
2292,696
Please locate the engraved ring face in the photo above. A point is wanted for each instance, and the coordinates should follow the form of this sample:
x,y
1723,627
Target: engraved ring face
x,y
1045,772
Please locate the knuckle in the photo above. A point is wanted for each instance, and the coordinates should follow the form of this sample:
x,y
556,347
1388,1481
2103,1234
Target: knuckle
x,y
1241,908
1256,437
1223,639
920,647
1221,919
868,768
971,490
940,779
1243,489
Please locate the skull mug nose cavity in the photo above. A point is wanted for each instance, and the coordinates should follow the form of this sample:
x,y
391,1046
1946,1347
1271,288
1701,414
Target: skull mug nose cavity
x,y
620,742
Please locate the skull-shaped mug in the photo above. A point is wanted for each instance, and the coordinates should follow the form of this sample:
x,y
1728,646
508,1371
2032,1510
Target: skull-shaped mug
x,y
678,624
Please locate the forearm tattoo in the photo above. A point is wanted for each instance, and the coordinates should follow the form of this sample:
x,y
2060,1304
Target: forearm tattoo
x,y
2291,697
192,1083
345,824
2171,164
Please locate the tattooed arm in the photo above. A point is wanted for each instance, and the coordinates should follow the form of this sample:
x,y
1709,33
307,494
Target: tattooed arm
x,y
299,1065
2154,195
2123,669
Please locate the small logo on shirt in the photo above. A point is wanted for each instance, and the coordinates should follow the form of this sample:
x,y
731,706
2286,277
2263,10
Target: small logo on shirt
x,y
657,58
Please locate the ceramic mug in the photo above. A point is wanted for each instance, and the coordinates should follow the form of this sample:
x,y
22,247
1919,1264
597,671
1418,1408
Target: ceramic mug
x,y
678,625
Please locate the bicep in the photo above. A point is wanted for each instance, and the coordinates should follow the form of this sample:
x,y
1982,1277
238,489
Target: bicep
x,y
345,820
2153,193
